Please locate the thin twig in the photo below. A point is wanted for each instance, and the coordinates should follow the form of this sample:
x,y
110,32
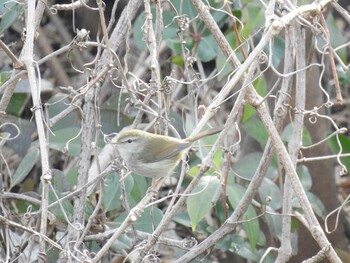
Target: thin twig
x,y
28,59
16,62
339,97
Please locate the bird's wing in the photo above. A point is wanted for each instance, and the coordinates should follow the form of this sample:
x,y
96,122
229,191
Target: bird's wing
x,y
162,153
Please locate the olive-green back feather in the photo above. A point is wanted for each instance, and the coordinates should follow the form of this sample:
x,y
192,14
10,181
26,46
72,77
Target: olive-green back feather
x,y
164,149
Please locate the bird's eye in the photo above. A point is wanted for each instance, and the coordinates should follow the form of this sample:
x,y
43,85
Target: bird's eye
x,y
129,141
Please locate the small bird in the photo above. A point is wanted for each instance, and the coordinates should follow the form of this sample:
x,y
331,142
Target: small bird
x,y
153,155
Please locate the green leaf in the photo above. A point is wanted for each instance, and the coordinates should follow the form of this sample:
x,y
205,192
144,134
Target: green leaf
x,y
345,143
254,17
124,243
288,131
177,60
255,128
60,185
277,51
249,111
220,212
220,17
59,140
194,170
186,7
137,32
305,177
24,141
149,219
110,116
112,193
139,190
217,159
57,210
223,66
169,32
207,48
230,243
273,221
337,37
9,12
317,205
72,176
60,182
344,77
109,120
176,45
260,86
252,227
270,189
17,104
315,202
245,251
247,165
58,103
25,166
4,76
53,256
182,219
202,199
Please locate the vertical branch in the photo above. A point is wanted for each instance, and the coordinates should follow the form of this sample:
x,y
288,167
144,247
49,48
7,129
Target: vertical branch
x,y
159,25
28,60
39,12
298,37
120,31
315,228
285,249
104,31
300,85
151,42
339,97
84,164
